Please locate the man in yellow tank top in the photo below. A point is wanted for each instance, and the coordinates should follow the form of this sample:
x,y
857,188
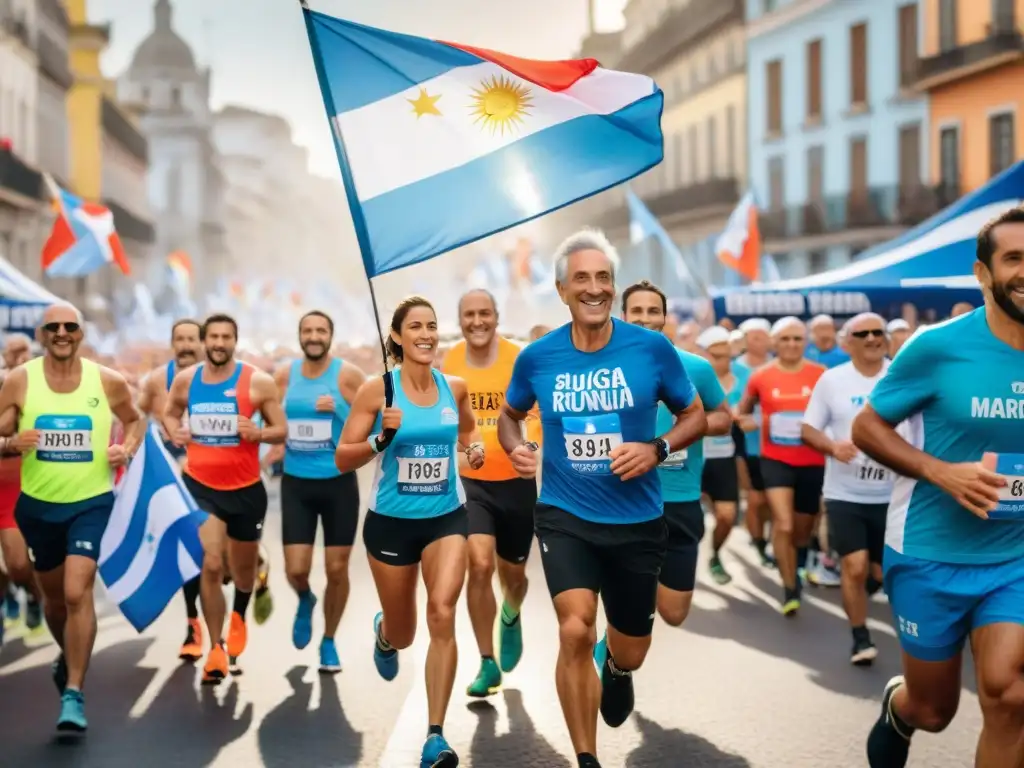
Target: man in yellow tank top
x,y
57,411
500,503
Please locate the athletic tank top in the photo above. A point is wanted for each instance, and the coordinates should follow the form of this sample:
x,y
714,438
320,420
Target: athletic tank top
x,y
416,476
313,435
70,462
172,369
217,457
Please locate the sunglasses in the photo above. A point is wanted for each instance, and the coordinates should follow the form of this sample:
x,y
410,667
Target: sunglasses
x,y
791,338
55,327
876,332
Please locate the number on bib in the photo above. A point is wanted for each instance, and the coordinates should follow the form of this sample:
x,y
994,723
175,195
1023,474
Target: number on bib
x,y
423,469
719,447
1011,497
870,472
589,440
64,438
214,429
784,427
310,434
675,460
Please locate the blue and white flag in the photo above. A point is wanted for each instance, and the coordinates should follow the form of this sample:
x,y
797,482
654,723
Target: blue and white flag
x,y
151,546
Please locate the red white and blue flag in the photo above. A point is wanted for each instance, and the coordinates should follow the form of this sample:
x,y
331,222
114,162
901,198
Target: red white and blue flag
x,y
441,144
83,239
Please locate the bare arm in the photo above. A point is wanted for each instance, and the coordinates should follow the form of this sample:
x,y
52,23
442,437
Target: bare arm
x,y
177,402
468,432
510,427
147,403
12,397
350,380
119,397
880,440
691,425
354,449
281,378
266,394
817,440
720,420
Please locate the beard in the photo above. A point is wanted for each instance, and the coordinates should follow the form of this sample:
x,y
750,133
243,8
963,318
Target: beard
x,y
1001,295
315,351
218,357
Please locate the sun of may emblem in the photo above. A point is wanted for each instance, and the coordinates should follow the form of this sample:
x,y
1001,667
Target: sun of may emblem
x,y
500,103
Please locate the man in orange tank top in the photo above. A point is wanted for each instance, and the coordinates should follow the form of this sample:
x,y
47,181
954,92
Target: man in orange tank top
x,y
500,504
222,471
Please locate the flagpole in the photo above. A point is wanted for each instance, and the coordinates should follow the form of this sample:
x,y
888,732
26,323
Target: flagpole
x,y
362,236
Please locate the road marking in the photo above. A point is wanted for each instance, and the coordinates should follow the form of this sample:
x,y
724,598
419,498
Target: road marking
x,y
406,740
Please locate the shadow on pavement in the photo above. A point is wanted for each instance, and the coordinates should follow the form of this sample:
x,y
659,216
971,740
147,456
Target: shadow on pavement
x,y
292,735
664,746
522,745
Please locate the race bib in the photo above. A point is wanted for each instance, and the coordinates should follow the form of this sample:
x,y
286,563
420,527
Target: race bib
x,y
214,428
1011,498
64,438
675,460
784,427
589,440
310,434
423,469
719,447
868,471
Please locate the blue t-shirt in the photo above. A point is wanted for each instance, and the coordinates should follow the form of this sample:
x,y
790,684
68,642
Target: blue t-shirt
x,y
742,373
591,402
962,391
829,359
681,473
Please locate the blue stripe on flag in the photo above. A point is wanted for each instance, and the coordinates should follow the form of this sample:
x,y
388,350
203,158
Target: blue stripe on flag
x,y
576,159
365,64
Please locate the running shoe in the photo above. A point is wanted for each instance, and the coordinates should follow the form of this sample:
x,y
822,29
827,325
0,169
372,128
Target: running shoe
x,y
888,746
59,672
263,601
617,696
72,712
487,682
216,668
718,573
192,648
233,666
385,661
510,641
302,627
791,603
33,615
864,652
238,635
437,753
600,654
330,662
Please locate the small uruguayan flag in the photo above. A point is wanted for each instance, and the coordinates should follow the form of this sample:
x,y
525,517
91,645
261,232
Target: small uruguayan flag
x,y
151,546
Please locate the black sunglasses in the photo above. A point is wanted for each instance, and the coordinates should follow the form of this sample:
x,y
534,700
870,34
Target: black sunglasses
x,y
54,327
876,332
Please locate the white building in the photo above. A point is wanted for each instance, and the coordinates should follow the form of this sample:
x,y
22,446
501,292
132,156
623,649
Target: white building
x,y
171,96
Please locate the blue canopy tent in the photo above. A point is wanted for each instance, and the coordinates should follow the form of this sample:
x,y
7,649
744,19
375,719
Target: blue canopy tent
x,y
22,301
931,266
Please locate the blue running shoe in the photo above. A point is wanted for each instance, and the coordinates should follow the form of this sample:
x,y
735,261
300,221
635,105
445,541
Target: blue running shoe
x,y
330,662
437,754
302,627
600,654
59,670
72,712
386,661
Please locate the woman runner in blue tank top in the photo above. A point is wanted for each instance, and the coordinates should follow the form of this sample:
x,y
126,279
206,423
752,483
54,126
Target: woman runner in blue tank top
x,y
417,424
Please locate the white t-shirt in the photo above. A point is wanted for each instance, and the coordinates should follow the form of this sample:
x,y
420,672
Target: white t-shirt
x,y
837,398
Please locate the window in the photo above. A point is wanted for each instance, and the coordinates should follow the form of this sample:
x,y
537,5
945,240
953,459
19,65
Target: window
x,y
859,166
814,81
859,64
176,96
947,25
949,163
730,138
1000,142
910,158
908,44
1003,17
174,189
712,149
816,175
691,139
776,184
773,80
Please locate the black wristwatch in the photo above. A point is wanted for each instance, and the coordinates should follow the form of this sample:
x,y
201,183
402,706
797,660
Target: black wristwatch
x,y
661,446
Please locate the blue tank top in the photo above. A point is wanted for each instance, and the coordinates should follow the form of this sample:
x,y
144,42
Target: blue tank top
x,y
417,476
313,435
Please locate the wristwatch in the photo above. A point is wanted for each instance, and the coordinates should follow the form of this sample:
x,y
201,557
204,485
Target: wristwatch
x,y
661,446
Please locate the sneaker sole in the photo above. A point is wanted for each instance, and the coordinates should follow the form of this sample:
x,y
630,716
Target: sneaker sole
x,y
444,760
864,658
66,726
489,692
190,657
329,669
213,678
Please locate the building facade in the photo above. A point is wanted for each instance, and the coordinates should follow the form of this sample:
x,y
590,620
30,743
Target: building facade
x,y
972,71
838,136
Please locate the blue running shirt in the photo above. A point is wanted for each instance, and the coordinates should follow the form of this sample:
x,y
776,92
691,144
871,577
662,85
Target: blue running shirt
x,y
681,473
591,402
962,390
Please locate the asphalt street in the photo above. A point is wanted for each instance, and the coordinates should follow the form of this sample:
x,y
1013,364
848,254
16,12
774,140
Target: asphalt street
x,y
737,686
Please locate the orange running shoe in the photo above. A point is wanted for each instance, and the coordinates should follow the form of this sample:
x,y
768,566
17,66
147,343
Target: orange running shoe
x,y
216,668
192,648
238,635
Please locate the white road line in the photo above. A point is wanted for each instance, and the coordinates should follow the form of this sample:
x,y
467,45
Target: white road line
x,y
406,740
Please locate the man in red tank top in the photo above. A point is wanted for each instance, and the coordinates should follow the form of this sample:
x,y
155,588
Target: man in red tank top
x,y
222,471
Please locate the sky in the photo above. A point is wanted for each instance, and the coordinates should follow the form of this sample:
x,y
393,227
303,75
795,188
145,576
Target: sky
x,y
259,52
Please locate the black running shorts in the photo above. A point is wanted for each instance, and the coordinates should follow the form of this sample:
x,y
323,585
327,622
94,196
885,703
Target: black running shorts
x,y
685,520
306,502
401,540
806,483
754,470
242,510
503,509
720,480
854,527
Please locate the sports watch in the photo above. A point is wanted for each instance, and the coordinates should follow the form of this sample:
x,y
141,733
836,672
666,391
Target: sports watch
x,y
661,446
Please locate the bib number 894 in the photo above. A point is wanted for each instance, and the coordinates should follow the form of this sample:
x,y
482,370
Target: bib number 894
x,y
590,448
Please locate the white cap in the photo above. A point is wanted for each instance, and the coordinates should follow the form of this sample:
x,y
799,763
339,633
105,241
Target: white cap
x,y
821,320
787,322
736,335
756,324
899,324
716,334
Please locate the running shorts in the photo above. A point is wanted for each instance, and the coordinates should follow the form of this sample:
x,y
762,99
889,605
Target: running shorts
x,y
739,439
685,520
754,470
503,509
936,606
720,480
54,531
854,527
9,493
620,562
333,501
242,510
806,483
401,540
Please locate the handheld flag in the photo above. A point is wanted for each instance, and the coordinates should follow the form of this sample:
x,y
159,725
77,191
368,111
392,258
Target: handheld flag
x,y
643,225
83,238
739,246
180,266
442,144
151,545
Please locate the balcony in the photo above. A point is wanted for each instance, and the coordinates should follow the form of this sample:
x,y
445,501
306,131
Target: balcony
x,y
53,61
18,178
128,225
682,200
874,208
678,30
18,29
121,129
1003,44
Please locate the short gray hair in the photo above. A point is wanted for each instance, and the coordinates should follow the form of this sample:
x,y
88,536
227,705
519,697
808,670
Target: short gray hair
x,y
586,239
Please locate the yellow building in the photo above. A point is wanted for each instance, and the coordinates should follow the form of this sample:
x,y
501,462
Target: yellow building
x,y
972,68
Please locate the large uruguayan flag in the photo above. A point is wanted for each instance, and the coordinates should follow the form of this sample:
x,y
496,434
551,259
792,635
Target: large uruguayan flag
x,y
151,546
